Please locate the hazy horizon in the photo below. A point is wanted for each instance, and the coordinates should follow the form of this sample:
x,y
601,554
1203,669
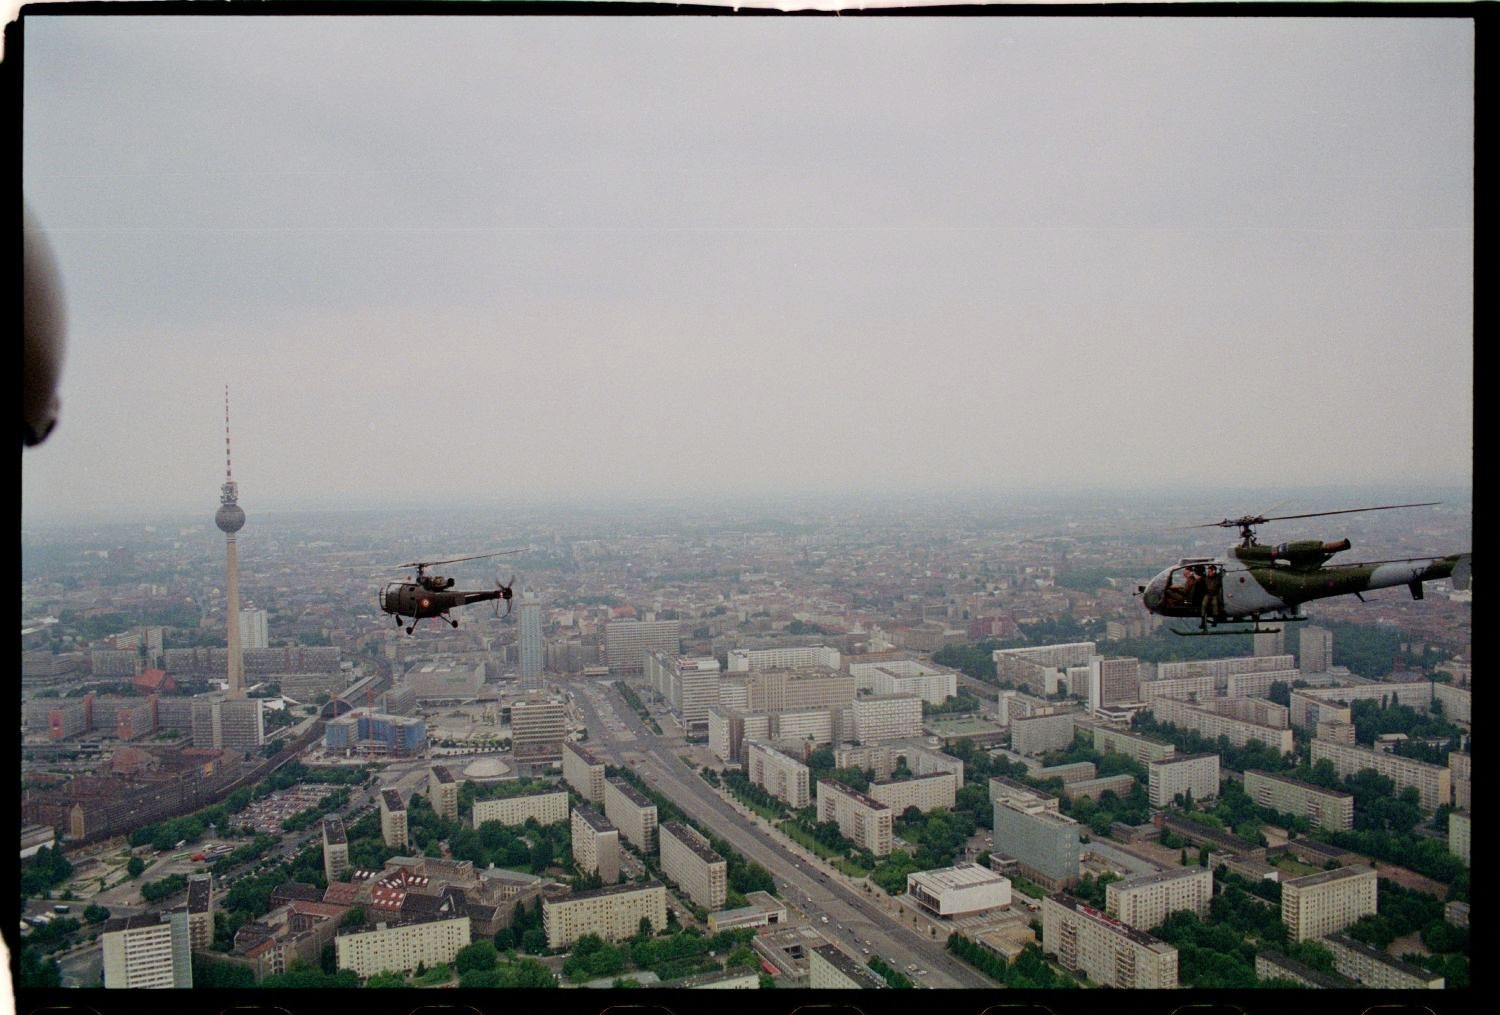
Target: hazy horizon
x,y
547,260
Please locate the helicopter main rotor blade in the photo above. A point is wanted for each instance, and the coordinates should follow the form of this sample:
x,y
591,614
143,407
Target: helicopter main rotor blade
x,y
455,560
1229,523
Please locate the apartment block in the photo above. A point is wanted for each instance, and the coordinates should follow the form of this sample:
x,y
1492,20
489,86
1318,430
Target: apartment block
x,y
147,951
613,912
547,808
335,849
933,684
1460,768
1328,901
688,860
1143,901
1119,785
583,771
1222,669
1457,702
1141,747
1316,647
632,812
878,758
924,792
1431,781
1197,774
1327,808
596,844
1041,669
1216,718
782,775
690,686
442,792
1042,733
200,911
1458,835
401,947
1308,711
445,681
1115,681
1374,969
861,819
1415,694
1104,949
393,830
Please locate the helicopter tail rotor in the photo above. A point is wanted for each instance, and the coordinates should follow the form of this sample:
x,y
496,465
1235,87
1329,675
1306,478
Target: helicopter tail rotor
x,y
506,593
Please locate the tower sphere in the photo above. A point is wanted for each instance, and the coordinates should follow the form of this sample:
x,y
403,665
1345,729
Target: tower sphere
x,y
230,518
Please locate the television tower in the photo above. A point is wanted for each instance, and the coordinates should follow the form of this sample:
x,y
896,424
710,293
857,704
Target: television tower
x,y
230,518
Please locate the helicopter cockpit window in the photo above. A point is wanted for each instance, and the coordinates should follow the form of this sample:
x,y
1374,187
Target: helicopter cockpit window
x,y
1184,584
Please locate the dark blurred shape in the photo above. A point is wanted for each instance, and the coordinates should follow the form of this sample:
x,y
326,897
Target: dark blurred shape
x,y
42,339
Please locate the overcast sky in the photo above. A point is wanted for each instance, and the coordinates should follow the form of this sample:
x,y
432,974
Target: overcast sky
x,y
586,258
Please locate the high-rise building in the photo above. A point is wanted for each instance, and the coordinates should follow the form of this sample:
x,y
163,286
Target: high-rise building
x,y
689,860
626,642
1105,950
230,518
862,819
1270,643
335,849
613,912
537,729
200,911
632,812
531,643
1328,901
1326,808
1186,774
780,774
1431,781
442,788
253,629
1143,901
147,951
393,819
1316,650
1043,843
1113,682
583,771
596,844
547,808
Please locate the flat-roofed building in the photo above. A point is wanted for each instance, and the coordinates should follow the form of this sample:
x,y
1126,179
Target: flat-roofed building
x,y
782,690
688,860
1042,733
1417,694
1327,808
596,844
1144,900
583,771
632,812
400,947
804,726
442,791
626,642
1119,785
147,952
689,685
1142,748
831,968
613,912
1458,835
1196,774
933,684
959,890
743,660
1307,711
200,911
1328,901
1113,682
445,681
1077,771
863,820
393,831
1043,843
1104,949
1003,790
1460,774
1242,720
1457,702
1041,668
1431,781
878,758
335,849
230,724
1375,969
1272,965
764,910
780,774
1316,649
726,733
924,792
547,808
538,729
881,717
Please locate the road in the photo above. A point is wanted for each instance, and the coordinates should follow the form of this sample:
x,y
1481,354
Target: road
x,y
854,914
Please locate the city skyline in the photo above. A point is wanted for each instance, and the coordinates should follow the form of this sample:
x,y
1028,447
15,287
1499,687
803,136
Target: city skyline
x,y
601,259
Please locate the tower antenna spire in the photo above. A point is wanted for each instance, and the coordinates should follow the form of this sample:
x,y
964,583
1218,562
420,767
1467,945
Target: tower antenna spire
x,y
228,468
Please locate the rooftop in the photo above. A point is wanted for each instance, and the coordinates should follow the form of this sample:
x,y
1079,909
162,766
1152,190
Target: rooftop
x,y
854,794
630,793
392,800
692,840
1110,923
598,822
1324,877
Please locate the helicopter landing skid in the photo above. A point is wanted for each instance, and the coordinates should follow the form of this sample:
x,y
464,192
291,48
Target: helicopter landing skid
x,y
1255,629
